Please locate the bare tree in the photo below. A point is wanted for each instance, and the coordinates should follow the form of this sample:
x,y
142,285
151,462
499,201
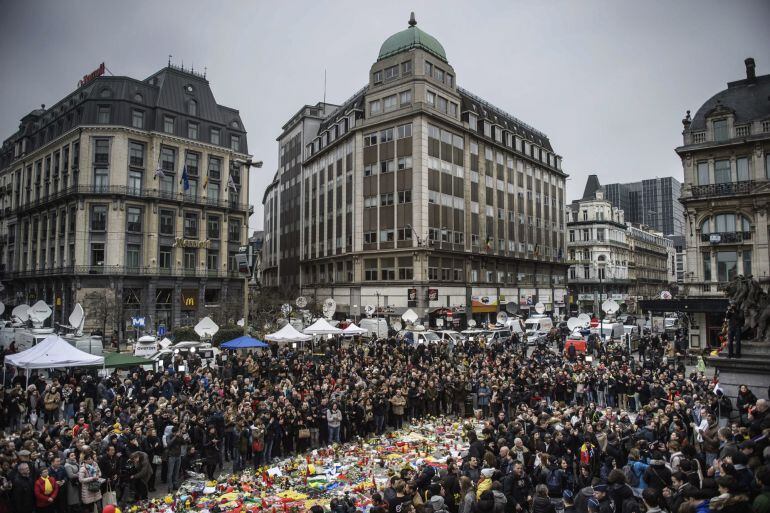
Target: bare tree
x,y
100,305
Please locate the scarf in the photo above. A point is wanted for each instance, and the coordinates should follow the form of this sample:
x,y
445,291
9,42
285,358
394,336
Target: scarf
x,y
48,486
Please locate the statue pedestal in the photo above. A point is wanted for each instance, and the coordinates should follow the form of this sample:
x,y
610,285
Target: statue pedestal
x,y
752,369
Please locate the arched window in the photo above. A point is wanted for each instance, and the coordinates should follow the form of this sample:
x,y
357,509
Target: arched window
x,y
705,226
192,108
138,98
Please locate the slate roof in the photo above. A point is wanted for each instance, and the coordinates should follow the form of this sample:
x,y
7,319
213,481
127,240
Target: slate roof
x,y
748,99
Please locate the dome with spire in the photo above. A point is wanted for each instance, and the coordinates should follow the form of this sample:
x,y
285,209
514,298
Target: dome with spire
x,y
410,38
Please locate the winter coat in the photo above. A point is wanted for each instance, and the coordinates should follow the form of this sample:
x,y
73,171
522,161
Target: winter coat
x,y
73,484
501,502
40,497
542,505
87,474
398,402
468,503
22,494
143,467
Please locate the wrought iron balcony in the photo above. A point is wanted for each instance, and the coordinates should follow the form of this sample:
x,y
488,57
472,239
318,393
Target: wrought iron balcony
x,y
722,189
122,270
725,237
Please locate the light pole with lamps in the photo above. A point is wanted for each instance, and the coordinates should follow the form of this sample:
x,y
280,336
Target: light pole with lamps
x,y
248,164
600,266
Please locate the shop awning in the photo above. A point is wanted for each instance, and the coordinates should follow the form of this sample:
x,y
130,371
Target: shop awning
x,y
695,305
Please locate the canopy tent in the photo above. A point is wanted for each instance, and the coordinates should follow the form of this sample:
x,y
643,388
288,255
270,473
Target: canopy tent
x,y
321,327
287,334
52,352
243,342
125,361
352,329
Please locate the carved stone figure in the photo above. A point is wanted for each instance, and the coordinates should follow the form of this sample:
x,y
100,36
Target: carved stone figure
x,y
754,302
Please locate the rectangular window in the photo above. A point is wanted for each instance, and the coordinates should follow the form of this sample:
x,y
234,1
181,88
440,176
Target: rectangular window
x,y
135,154
390,103
706,266
234,230
386,199
192,130
720,130
374,107
453,109
742,168
191,161
134,219
103,115
212,227
386,235
747,262
703,173
133,255
450,80
212,193
215,168
370,269
430,98
190,225
406,68
405,197
391,72
386,135
370,140
97,254
439,74
212,259
428,69
473,124
99,218
377,78
722,171
405,162
387,166
166,222
406,98
235,143
215,136
405,131
370,237
727,265
101,179
164,257
168,124
190,258
137,119
102,151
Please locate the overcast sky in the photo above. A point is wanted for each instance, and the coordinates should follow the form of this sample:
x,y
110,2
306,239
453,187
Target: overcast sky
x,y
607,81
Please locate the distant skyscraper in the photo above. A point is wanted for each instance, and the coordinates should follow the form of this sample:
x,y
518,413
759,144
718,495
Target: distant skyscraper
x,y
653,202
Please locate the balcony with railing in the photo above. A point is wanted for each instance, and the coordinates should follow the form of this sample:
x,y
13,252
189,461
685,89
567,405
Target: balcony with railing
x,y
722,189
725,237
122,270
703,288
135,192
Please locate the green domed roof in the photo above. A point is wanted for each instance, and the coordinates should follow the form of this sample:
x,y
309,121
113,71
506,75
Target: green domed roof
x,y
410,38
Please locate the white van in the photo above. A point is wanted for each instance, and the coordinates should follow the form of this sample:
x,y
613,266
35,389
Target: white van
x,y
610,330
537,327
451,336
91,344
377,326
501,335
146,346
415,337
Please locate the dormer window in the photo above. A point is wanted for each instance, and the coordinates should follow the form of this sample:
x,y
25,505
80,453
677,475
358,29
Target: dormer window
x,y
377,77
192,108
720,130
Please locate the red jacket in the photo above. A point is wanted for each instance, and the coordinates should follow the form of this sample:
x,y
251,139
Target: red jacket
x,y
40,497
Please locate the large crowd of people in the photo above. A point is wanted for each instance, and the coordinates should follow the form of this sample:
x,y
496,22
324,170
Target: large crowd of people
x,y
614,433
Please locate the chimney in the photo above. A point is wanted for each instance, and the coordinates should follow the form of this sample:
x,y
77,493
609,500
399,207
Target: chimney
x,y
750,73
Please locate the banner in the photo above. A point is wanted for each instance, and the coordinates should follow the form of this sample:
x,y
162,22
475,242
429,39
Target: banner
x,y
484,303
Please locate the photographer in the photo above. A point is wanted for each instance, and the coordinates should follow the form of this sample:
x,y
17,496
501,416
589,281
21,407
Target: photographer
x,y
211,448
734,318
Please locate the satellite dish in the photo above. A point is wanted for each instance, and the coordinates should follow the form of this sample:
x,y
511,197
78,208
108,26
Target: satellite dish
x,y
330,306
584,319
286,309
511,307
440,323
21,313
39,312
540,308
241,323
369,310
397,326
665,295
2,307
410,317
610,306
572,323
77,316
472,323
502,317
206,328
301,302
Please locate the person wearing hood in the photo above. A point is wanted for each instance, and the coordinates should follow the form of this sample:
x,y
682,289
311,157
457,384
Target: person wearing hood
x,y
501,501
620,492
424,476
657,475
467,495
142,475
438,505
486,502
601,495
485,482
541,503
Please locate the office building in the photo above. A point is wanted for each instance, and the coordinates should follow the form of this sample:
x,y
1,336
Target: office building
x,y
130,197
415,193
653,202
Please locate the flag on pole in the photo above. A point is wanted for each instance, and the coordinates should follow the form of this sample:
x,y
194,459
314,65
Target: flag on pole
x,y
185,179
231,184
159,172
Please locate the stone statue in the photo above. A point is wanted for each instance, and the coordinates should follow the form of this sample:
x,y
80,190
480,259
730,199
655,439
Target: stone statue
x,y
753,302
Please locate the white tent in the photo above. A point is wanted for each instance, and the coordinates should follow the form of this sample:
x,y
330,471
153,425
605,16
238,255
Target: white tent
x,y
322,327
352,329
51,353
287,334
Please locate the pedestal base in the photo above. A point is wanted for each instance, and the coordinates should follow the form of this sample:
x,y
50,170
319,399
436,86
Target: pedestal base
x,y
752,369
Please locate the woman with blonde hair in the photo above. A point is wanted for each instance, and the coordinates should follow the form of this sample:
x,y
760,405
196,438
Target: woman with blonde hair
x,y
467,495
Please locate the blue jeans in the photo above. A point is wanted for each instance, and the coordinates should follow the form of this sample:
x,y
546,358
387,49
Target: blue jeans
x,y
172,478
379,424
334,434
268,450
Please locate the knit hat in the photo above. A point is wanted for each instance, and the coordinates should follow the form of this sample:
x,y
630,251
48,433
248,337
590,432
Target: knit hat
x,y
437,501
593,504
600,487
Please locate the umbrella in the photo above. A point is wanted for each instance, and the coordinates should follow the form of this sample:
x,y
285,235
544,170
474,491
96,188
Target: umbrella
x,y
242,343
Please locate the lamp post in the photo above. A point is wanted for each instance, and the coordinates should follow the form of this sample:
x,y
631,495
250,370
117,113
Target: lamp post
x,y
600,274
249,164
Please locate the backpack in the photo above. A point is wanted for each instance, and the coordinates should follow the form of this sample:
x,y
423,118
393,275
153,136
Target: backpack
x,y
631,478
553,482
631,505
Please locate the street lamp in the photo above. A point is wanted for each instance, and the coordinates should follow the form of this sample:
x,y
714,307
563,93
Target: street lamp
x,y
600,266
